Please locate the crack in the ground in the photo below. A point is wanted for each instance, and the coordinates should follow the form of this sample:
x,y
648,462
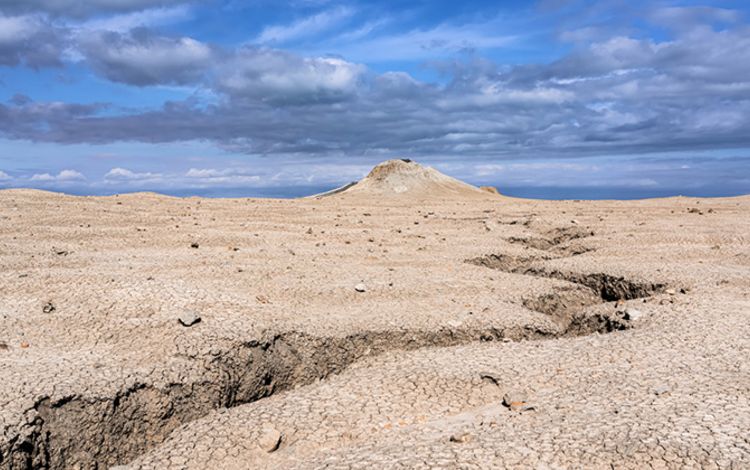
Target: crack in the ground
x,y
98,432
568,304
95,432
557,241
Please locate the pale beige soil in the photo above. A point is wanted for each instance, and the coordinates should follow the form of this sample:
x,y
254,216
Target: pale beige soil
x,y
468,296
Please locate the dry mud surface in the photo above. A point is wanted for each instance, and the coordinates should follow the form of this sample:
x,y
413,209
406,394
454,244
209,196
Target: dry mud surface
x,y
360,332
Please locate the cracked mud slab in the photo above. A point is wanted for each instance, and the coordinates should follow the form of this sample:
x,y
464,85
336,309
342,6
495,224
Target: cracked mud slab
x,y
291,367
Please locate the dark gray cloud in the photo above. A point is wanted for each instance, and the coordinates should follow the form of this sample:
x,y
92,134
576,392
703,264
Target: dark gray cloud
x,y
141,58
31,41
616,95
82,8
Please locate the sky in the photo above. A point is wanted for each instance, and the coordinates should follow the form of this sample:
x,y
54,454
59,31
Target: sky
x,y
548,98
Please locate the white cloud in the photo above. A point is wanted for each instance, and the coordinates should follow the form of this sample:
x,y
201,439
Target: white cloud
x,y
276,76
138,19
228,176
70,175
420,44
4,176
63,176
123,174
305,27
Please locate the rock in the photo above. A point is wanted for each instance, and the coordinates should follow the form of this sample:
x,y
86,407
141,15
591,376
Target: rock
x,y
516,401
189,318
521,406
670,291
632,314
24,344
460,437
262,299
360,287
662,389
269,440
489,377
490,189
3,346
49,307
194,245
309,231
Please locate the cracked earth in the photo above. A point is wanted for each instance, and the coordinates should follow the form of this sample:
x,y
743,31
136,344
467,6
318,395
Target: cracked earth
x,y
353,332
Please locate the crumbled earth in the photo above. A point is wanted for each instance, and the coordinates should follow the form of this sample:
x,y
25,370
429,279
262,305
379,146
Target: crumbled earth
x,y
292,365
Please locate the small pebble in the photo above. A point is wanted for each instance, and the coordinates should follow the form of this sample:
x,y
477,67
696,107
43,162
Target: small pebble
x,y
489,377
270,440
189,318
360,287
662,389
516,401
460,437
632,314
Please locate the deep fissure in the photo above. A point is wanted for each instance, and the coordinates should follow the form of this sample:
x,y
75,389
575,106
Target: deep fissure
x,y
85,432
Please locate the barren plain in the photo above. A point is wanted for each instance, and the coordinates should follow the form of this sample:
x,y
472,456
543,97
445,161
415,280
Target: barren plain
x,y
407,322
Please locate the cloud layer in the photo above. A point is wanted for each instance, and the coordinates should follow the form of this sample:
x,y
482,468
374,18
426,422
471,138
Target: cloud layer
x,y
335,83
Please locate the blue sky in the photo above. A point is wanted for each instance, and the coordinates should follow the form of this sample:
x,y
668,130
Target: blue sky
x,y
553,98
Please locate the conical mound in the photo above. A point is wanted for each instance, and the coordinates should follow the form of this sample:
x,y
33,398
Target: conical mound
x,y
406,178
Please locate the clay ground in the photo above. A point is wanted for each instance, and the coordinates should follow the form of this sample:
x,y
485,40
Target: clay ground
x,y
624,325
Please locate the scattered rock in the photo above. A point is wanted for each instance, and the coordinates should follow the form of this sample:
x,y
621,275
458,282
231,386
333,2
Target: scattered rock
x,y
517,401
670,291
490,189
262,299
460,437
309,231
3,346
194,245
189,318
662,389
24,344
49,307
269,440
360,287
632,314
489,377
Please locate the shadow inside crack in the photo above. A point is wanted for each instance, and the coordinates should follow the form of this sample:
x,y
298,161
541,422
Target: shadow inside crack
x,y
557,241
568,304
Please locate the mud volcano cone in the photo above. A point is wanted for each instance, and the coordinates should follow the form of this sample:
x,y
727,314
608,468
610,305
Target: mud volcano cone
x,y
400,178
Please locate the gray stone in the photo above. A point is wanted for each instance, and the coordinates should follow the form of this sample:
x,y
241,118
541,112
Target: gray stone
x,y
662,389
360,287
269,440
460,437
632,314
489,377
189,318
